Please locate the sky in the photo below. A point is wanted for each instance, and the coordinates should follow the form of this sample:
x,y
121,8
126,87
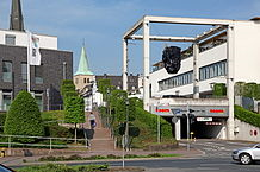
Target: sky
x,y
102,24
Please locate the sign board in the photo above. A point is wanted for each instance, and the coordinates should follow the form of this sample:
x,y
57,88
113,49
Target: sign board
x,y
214,123
175,119
206,118
203,111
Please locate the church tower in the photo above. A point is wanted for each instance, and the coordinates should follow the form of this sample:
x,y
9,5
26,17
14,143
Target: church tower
x,y
83,77
16,23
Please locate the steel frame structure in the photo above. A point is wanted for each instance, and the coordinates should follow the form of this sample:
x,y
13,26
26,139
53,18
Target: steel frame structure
x,y
218,26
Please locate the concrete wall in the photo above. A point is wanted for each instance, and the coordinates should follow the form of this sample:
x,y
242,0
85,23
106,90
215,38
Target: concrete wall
x,y
244,131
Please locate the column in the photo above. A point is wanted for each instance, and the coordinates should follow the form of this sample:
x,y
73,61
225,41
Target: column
x,y
125,64
146,63
231,82
177,129
195,71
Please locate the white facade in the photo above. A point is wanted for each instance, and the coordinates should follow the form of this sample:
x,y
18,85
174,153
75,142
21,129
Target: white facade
x,y
246,62
45,41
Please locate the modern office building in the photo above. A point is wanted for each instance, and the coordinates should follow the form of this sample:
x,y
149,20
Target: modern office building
x,y
45,79
227,53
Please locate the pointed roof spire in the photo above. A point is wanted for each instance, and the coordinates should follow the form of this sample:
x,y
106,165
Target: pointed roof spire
x,y
83,64
16,22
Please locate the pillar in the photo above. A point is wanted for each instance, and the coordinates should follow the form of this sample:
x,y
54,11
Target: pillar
x,y
125,63
146,63
231,82
177,129
195,71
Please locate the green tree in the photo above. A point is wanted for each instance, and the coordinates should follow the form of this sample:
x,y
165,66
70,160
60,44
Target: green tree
x,y
24,117
73,104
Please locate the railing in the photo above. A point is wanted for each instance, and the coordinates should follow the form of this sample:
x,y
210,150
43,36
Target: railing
x,y
51,146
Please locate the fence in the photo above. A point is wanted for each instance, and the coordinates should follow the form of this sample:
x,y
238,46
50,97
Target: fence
x,y
11,144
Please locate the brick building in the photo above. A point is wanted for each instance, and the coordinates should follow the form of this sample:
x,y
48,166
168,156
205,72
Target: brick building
x,y
45,79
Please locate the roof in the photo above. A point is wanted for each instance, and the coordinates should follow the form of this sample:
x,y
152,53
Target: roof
x,y
83,64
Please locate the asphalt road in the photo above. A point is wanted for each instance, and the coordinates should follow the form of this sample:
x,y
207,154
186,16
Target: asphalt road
x,y
188,165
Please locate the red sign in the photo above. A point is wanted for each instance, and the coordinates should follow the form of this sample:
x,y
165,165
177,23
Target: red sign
x,y
162,110
216,111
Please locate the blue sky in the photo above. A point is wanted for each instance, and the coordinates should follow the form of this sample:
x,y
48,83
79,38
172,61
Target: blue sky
x,y
103,22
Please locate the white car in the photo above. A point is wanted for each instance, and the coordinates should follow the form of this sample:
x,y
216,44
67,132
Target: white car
x,y
247,155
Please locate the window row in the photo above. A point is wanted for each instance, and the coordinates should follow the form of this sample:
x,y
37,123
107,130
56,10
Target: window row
x,y
206,72
176,81
7,72
213,70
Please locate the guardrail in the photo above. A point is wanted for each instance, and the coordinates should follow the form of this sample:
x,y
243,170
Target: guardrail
x,y
10,143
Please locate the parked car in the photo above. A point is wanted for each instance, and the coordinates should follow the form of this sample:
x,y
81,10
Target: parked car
x,y
247,155
5,169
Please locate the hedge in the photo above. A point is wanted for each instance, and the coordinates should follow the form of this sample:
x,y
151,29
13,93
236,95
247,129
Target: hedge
x,y
247,116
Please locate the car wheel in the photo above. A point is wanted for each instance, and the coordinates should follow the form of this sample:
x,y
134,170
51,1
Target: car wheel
x,y
245,159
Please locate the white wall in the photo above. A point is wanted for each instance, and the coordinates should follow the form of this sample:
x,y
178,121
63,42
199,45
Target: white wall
x,y
247,52
45,41
244,131
213,55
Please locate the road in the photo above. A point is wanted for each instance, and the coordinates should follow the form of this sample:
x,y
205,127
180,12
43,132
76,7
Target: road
x,y
187,165
216,158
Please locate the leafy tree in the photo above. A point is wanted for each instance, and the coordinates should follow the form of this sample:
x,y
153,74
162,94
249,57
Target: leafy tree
x,y
24,117
74,108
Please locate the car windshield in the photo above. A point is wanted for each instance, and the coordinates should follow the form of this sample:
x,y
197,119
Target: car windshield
x,y
4,169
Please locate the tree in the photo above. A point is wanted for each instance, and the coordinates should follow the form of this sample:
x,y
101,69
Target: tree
x,y
24,117
73,104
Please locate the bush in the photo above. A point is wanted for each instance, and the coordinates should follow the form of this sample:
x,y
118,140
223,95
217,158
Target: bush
x,y
24,117
247,116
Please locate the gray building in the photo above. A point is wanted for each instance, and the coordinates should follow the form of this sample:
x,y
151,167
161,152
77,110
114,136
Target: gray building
x,y
117,81
45,79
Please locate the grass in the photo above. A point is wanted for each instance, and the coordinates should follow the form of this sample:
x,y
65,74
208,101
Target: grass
x,y
53,115
63,168
110,156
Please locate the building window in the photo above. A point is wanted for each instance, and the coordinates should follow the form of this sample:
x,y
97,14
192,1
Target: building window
x,y
6,96
84,80
10,39
77,80
88,80
7,71
39,74
39,101
24,72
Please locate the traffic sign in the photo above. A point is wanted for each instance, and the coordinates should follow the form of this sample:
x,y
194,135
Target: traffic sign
x,y
175,119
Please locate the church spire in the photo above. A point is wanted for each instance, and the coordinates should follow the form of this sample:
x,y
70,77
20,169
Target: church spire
x,y
16,22
83,64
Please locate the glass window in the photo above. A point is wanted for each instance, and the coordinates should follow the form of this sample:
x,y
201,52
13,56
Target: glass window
x,y
7,71
207,72
24,72
77,80
39,102
39,74
10,39
84,80
225,68
201,74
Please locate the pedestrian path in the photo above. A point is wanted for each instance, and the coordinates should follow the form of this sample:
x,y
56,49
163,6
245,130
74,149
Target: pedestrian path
x,y
102,140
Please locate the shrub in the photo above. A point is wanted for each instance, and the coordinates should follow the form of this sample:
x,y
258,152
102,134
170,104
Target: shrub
x,y
247,116
24,117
